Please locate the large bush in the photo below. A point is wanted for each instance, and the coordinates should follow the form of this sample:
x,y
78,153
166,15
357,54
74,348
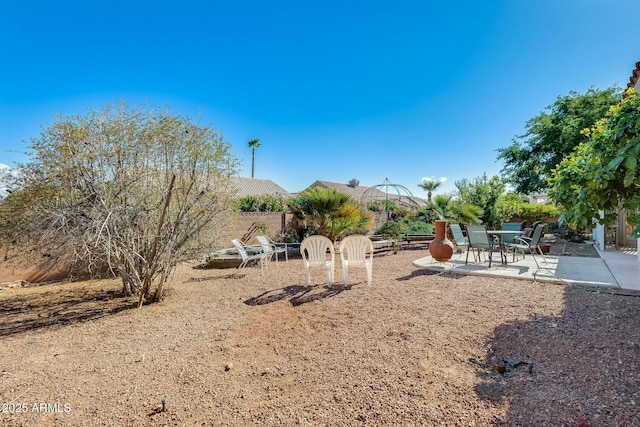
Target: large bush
x,y
137,190
396,228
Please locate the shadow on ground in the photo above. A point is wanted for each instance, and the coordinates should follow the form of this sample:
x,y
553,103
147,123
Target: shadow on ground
x,y
596,336
58,307
296,294
424,272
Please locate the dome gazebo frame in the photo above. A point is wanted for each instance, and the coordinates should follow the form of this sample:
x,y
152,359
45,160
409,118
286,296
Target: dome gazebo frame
x,y
382,192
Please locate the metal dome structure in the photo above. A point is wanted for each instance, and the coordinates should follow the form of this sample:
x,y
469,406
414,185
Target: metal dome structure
x,y
388,191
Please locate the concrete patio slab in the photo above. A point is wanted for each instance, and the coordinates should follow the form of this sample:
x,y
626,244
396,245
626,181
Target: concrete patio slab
x,y
557,269
624,266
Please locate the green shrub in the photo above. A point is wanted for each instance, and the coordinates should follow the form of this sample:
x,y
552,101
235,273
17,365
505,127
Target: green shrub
x,y
532,213
264,203
395,228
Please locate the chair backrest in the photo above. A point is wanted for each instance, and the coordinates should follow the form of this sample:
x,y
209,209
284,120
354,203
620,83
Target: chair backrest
x,y
237,243
537,235
266,244
511,226
356,249
528,232
534,224
458,236
478,237
314,250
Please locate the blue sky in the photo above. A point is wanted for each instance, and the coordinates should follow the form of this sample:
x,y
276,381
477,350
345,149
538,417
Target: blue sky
x,y
334,90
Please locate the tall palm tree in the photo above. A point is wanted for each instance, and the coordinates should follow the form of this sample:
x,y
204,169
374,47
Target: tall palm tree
x,y
429,185
253,143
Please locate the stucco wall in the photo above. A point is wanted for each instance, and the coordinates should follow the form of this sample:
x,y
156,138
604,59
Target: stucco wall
x,y
247,225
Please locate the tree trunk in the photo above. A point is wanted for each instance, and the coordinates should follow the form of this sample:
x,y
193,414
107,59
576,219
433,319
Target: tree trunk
x,y
253,159
151,260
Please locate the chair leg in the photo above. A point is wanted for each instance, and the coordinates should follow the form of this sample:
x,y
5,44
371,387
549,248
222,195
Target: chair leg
x,y
307,276
543,257
329,274
369,273
345,273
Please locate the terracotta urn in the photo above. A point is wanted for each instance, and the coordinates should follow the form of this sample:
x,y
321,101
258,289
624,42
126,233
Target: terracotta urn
x,y
441,248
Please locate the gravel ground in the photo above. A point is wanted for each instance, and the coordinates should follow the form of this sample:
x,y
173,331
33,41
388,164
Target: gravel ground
x,y
415,348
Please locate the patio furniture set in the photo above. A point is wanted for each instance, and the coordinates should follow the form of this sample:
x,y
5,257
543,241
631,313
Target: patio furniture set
x,y
512,237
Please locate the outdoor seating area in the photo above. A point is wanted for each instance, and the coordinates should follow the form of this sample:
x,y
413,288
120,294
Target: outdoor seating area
x,y
511,238
606,269
316,252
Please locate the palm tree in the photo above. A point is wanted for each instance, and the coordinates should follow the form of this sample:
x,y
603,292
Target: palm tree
x,y
332,213
253,143
448,209
429,185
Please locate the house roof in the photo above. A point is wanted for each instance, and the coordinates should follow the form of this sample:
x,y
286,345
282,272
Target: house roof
x,y
258,187
358,192
633,80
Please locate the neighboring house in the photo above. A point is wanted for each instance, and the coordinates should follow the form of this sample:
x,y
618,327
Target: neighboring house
x,y
620,233
366,194
538,199
258,187
250,224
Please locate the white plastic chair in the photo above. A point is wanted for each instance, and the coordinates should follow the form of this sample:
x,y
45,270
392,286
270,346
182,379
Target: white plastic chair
x,y
314,251
246,256
356,250
270,247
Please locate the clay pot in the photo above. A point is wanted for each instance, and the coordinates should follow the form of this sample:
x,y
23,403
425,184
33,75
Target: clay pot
x,y
441,248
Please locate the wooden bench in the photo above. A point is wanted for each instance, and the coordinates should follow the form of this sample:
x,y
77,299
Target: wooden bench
x,y
382,243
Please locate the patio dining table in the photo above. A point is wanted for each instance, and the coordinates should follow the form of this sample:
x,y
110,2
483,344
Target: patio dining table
x,y
502,236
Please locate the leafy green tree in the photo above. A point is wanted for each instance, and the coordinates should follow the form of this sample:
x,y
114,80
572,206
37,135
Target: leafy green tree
x,y
486,193
136,190
253,144
331,213
552,135
602,174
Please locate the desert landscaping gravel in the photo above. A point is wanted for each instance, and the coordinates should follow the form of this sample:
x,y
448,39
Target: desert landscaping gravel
x,y
415,348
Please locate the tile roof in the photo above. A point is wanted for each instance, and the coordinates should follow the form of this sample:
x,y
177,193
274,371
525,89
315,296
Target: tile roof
x,y
258,187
